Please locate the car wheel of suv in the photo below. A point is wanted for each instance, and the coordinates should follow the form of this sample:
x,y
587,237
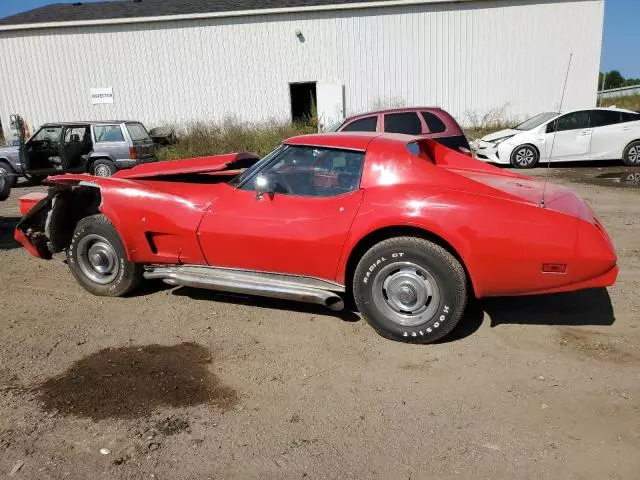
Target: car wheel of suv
x,y
410,289
5,188
631,155
103,168
524,156
9,174
98,260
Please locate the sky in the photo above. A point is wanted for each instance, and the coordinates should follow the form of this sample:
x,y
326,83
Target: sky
x,y
619,46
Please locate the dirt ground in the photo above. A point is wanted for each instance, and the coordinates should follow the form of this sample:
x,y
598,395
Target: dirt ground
x,y
176,383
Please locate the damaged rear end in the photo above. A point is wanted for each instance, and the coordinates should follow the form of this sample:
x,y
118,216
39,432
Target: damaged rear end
x,y
50,218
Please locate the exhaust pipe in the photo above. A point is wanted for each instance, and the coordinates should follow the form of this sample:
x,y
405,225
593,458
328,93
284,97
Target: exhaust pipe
x,y
286,287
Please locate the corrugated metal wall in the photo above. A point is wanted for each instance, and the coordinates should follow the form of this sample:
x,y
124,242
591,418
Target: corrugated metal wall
x,y
470,58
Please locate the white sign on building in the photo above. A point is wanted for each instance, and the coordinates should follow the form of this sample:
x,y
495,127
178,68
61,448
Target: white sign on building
x,y
101,95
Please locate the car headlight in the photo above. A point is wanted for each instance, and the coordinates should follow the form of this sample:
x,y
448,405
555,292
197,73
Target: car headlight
x,y
500,140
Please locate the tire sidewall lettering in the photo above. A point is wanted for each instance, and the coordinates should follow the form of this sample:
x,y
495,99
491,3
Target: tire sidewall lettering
x,y
379,261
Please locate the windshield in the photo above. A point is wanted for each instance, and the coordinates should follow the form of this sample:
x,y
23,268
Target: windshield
x,y
537,121
248,173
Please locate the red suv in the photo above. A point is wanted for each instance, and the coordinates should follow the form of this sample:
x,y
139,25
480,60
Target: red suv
x,y
432,122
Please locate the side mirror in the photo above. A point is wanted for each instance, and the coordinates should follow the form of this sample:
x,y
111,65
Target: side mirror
x,y
263,185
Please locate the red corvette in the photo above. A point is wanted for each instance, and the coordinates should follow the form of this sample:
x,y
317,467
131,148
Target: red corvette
x,y
406,227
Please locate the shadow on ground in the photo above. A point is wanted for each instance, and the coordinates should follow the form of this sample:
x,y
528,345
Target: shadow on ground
x,y
7,226
584,307
264,302
581,308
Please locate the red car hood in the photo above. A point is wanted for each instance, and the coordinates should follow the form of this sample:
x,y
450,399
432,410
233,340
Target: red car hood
x,y
214,163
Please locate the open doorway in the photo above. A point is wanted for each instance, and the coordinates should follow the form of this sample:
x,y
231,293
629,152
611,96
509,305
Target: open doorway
x,y
303,101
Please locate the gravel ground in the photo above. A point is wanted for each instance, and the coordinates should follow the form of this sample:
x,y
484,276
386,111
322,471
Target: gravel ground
x,y
187,384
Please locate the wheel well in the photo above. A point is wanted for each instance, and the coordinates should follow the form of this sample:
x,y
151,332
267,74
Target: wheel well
x,y
623,150
68,208
377,236
7,163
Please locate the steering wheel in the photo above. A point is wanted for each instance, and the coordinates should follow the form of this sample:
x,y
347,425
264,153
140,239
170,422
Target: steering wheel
x,y
276,178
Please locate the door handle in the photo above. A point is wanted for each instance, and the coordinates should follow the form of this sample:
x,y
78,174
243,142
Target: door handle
x,y
585,133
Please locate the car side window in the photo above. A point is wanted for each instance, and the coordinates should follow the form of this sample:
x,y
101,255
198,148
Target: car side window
x,y
367,124
570,121
311,172
630,117
407,123
602,118
75,135
108,133
434,124
48,134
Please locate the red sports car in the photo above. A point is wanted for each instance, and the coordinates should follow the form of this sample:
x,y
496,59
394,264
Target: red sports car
x,y
403,225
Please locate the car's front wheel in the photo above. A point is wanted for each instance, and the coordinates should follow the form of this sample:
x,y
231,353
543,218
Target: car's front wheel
x,y
631,155
9,174
410,289
98,260
524,156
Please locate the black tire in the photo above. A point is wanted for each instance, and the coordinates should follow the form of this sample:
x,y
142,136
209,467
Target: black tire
x,y
34,179
408,264
103,168
525,156
9,174
5,188
631,154
95,235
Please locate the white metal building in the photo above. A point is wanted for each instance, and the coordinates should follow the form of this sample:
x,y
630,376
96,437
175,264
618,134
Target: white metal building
x,y
161,61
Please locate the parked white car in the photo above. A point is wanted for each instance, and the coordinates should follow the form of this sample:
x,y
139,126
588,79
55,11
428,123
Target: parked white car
x,y
594,134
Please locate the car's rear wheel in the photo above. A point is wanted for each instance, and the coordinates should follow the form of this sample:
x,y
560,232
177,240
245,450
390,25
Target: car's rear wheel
x,y
631,154
98,260
103,168
410,289
9,174
525,156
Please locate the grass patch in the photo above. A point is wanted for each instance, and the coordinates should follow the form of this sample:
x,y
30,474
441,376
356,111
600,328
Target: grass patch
x,y
203,139
630,102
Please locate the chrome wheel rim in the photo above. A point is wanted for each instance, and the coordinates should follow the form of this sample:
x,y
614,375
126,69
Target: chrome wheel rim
x,y
525,156
98,259
102,171
406,293
634,154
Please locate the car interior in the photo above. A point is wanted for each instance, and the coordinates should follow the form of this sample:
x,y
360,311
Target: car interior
x,y
313,172
58,148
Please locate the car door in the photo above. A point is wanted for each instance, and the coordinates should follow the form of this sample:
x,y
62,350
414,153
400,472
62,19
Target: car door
x,y
568,137
608,134
40,148
298,226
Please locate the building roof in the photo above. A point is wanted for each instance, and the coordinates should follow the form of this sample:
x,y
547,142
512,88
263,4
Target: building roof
x,y
133,11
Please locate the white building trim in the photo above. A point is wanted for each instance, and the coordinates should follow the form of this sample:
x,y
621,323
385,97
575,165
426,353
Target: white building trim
x,y
232,13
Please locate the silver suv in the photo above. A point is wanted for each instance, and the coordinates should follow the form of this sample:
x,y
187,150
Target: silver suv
x,y
99,148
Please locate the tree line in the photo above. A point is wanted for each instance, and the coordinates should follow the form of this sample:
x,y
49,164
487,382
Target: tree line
x,y
614,79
